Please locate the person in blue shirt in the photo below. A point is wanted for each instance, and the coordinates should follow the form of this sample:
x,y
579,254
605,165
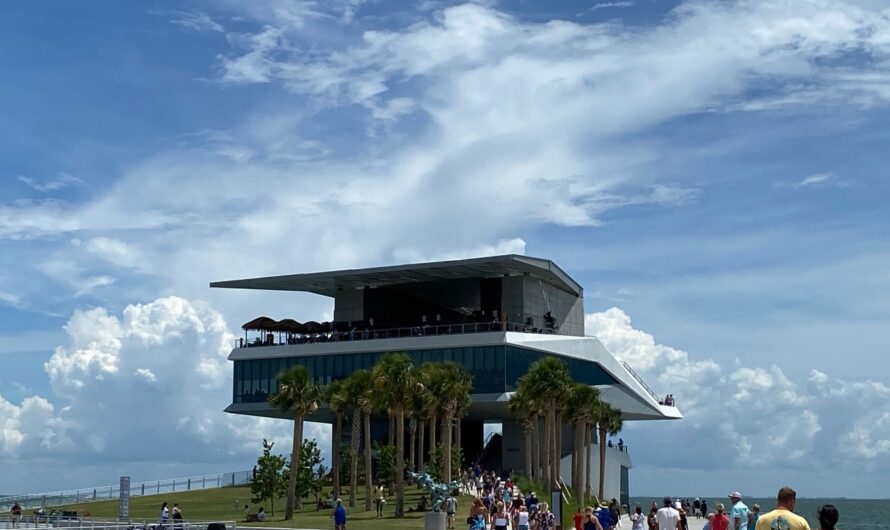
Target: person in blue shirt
x,y
738,516
605,518
339,516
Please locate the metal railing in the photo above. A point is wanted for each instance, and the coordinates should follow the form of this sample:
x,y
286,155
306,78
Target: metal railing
x,y
391,333
90,523
137,489
640,381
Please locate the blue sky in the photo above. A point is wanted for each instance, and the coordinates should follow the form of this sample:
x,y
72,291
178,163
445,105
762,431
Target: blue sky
x,y
714,174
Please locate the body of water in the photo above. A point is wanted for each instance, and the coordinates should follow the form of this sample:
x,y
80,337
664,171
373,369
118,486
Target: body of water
x,y
856,514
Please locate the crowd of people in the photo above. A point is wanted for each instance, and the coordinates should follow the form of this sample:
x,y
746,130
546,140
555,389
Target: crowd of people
x,y
673,515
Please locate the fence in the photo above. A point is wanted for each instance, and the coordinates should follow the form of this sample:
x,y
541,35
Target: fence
x,y
89,523
137,489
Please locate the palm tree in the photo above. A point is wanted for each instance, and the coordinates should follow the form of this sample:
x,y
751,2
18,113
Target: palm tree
x,y
394,377
608,422
297,395
362,379
426,376
353,391
337,401
580,407
522,407
549,380
451,384
421,407
462,409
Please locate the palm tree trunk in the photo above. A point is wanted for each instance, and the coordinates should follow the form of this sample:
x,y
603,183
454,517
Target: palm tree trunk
x,y
457,439
421,437
536,436
432,438
400,462
576,455
294,468
412,423
446,452
546,475
587,459
528,451
602,441
353,454
392,428
557,444
367,461
335,453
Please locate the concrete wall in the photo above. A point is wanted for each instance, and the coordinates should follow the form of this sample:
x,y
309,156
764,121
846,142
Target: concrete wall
x,y
349,305
568,310
615,459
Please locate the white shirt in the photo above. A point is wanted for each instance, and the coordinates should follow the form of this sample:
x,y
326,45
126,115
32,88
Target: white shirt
x,y
667,518
523,518
639,521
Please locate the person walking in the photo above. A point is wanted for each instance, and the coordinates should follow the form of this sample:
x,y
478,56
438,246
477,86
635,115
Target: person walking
x,y
720,520
450,509
165,515
522,518
783,516
828,517
668,518
476,520
738,514
16,512
637,519
177,516
339,515
380,499
753,516
590,520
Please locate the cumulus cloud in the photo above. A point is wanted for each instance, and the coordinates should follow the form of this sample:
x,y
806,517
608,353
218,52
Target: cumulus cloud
x,y
755,415
158,371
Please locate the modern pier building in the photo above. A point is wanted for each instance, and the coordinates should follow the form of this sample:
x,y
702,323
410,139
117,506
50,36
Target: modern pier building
x,y
495,316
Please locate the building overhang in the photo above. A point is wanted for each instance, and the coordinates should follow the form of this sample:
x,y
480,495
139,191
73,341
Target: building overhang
x,y
330,282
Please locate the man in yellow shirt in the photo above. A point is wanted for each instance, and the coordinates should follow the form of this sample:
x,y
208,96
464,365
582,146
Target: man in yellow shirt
x,y
783,517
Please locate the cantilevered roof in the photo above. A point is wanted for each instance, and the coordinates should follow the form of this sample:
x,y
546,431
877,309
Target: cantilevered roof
x,y
328,283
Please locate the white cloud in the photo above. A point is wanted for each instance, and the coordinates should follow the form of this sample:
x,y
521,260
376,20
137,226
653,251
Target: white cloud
x,y
607,5
755,416
115,251
157,372
197,21
63,180
814,180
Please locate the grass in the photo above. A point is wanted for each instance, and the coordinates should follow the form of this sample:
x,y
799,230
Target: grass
x,y
227,504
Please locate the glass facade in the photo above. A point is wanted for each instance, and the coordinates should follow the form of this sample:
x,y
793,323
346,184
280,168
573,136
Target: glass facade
x,y
495,369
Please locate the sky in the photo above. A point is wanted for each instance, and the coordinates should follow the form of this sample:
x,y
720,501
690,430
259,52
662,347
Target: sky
x,y
714,173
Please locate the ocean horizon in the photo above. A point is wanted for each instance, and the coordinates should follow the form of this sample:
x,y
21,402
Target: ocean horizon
x,y
855,514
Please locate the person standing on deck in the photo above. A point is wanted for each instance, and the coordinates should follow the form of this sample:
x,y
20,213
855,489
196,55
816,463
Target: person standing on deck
x,y
783,516
667,517
738,514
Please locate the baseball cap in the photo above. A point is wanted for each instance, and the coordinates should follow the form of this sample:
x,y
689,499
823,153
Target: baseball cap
x,y
735,495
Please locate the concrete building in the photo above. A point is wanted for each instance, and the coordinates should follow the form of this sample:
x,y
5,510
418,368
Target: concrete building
x,y
495,316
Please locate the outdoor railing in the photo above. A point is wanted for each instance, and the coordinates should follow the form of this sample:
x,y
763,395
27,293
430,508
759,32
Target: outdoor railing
x,y
393,333
90,523
640,380
137,489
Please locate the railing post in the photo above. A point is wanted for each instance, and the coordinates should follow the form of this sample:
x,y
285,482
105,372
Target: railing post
x,y
189,486
143,489
159,486
203,481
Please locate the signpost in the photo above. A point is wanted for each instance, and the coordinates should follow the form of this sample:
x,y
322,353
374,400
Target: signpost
x,y
123,512
556,507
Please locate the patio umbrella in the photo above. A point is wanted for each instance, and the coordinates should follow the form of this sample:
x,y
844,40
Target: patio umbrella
x,y
261,324
290,325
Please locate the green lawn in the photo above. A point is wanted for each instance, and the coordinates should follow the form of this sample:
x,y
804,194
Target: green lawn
x,y
223,504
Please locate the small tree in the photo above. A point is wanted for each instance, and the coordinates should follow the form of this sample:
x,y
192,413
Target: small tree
x,y
310,462
270,479
386,463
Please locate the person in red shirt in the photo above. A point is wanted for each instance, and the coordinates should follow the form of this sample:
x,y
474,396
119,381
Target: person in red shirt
x,y
579,519
721,521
